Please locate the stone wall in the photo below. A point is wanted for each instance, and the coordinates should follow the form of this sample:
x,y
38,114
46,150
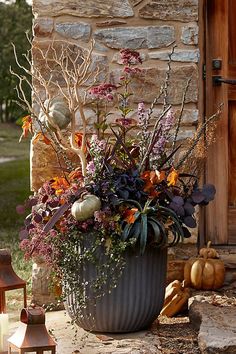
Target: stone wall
x,y
150,26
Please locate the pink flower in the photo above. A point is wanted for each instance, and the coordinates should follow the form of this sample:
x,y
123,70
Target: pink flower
x,y
141,107
126,122
53,233
99,216
103,91
131,71
130,57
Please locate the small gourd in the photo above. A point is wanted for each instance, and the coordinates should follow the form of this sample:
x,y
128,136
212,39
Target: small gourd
x,y
206,272
176,297
85,207
208,252
58,112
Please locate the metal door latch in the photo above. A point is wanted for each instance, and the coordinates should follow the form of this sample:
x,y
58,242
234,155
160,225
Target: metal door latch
x,y
218,80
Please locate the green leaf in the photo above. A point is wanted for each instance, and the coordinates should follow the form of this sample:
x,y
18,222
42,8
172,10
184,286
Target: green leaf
x,y
126,232
156,231
132,203
164,239
19,121
135,230
143,233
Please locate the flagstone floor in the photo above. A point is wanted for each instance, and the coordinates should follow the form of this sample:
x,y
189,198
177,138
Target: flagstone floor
x,y
58,325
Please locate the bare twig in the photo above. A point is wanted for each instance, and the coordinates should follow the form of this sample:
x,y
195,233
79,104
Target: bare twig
x,y
181,113
167,78
199,135
74,67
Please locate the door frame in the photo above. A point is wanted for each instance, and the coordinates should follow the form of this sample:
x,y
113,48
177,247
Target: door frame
x,y
214,219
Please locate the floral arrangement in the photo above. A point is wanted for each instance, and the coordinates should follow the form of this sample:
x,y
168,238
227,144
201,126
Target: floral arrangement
x,y
133,188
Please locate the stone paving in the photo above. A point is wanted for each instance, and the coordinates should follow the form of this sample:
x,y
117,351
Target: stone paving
x,y
216,324
58,323
213,315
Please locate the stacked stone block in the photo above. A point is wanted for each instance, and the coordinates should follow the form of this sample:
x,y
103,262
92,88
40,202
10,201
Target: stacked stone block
x,y
149,26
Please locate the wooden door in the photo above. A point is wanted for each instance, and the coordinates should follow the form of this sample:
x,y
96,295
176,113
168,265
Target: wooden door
x,y
220,49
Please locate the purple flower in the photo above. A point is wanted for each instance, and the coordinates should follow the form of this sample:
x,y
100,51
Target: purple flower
x,y
165,128
168,122
160,145
91,168
142,114
97,144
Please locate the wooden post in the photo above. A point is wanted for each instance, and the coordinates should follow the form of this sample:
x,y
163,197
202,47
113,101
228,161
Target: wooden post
x,y
2,302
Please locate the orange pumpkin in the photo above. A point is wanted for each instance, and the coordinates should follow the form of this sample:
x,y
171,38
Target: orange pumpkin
x,y
206,273
176,296
208,252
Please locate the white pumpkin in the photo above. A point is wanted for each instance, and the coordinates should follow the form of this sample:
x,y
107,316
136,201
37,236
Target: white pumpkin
x,y
85,207
58,111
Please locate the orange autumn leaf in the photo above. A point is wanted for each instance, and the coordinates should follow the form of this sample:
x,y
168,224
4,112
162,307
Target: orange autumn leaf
x,y
152,179
26,127
76,174
60,184
62,201
42,137
161,175
79,139
172,177
129,215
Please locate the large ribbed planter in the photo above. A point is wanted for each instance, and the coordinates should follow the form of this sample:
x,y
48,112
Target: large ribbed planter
x,y
136,301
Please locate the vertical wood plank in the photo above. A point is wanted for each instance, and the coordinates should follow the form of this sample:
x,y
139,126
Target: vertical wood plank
x,y
217,163
232,154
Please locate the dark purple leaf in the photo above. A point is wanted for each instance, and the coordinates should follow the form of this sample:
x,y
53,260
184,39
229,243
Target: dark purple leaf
x,y
31,202
170,156
37,218
178,200
190,221
177,208
28,220
20,209
58,214
45,213
120,141
45,198
197,197
186,232
23,234
169,194
30,227
189,208
173,206
123,193
209,192
53,203
180,211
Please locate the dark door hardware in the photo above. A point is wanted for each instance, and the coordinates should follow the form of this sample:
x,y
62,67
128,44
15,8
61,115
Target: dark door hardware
x,y
217,64
218,80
